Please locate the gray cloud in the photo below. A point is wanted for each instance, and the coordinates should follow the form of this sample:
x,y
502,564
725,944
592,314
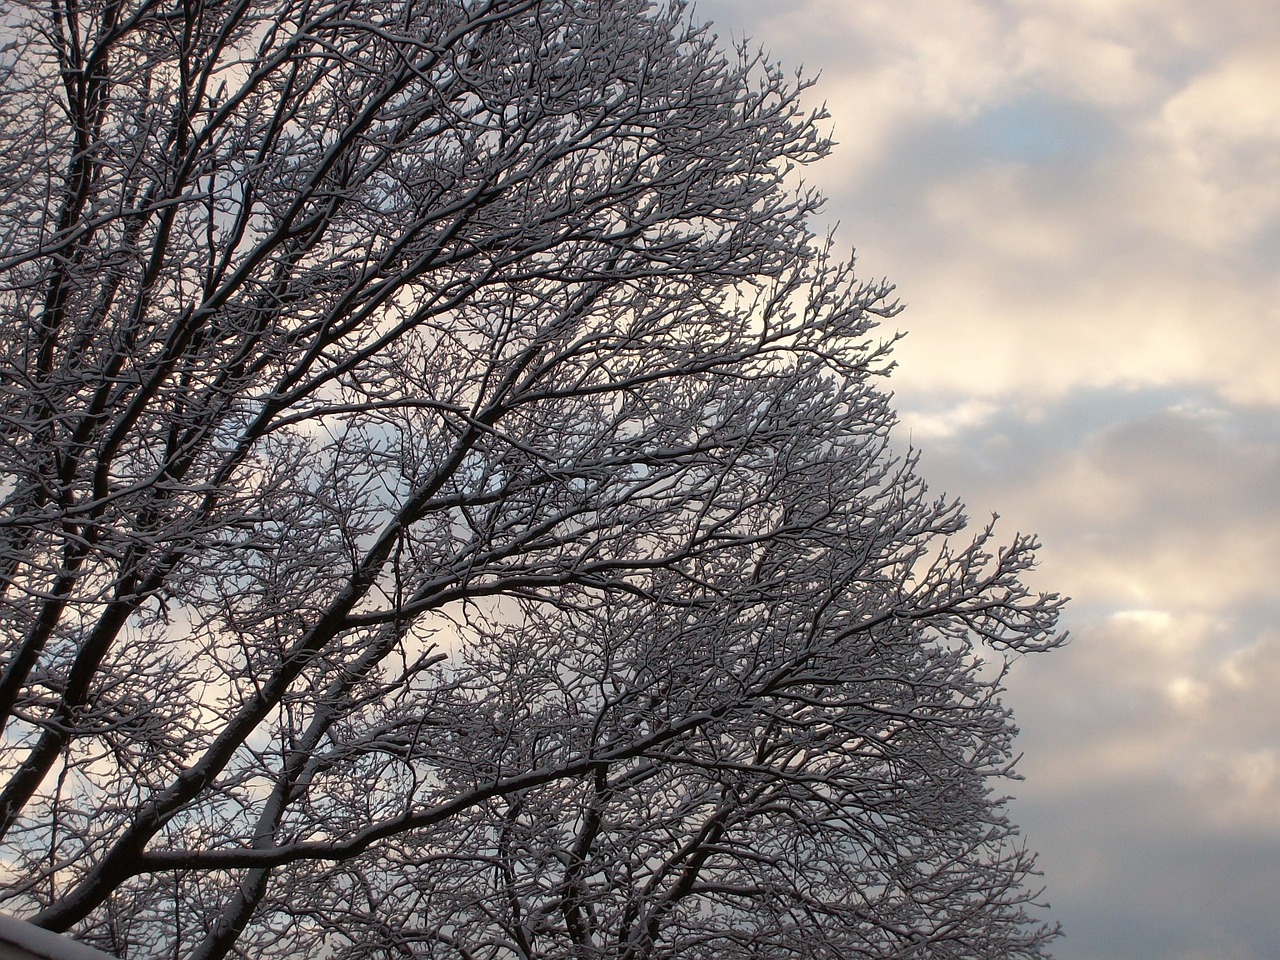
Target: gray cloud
x,y
1152,756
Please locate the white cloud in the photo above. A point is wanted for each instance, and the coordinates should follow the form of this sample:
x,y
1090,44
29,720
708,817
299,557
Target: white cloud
x,y
947,422
1076,50
1223,136
1229,106
1172,509
1143,255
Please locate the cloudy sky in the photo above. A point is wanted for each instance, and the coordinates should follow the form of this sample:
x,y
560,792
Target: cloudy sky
x,y
1079,201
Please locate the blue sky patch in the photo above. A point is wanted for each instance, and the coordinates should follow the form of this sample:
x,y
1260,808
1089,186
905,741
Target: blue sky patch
x,y
1034,129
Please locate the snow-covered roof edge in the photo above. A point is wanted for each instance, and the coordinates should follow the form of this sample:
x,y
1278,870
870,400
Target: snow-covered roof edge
x,y
20,940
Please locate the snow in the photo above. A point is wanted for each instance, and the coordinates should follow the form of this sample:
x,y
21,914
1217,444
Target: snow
x,y
20,940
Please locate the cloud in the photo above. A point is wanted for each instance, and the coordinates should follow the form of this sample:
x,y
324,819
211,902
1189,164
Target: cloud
x,y
1103,271
1083,51
1080,203
1158,820
1152,763
1068,194
1147,500
1176,511
947,423
887,68
1223,134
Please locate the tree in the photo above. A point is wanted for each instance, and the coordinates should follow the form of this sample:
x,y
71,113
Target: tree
x,y
448,508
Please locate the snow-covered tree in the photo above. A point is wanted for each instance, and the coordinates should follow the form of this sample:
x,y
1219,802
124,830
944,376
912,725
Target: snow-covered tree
x,y
447,507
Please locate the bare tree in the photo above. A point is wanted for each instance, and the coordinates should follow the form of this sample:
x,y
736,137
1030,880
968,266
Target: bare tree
x,y
448,509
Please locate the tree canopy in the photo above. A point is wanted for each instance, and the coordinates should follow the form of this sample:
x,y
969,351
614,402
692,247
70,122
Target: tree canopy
x,y
447,506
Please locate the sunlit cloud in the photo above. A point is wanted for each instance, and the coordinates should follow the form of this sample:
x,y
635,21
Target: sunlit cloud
x,y
947,422
1068,194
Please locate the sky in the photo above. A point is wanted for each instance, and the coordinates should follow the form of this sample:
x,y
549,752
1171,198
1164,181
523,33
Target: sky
x,y
1079,202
